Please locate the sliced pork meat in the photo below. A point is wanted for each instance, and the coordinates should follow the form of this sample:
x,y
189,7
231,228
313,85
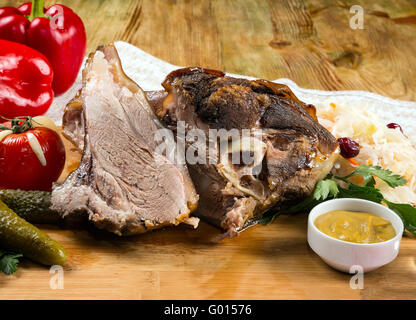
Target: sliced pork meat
x,y
122,183
73,127
289,150
73,121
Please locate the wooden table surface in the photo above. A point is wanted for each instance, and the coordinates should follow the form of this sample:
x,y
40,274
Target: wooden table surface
x,y
309,42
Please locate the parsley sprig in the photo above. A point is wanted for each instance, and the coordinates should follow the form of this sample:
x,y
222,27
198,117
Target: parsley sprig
x,y
368,173
331,188
9,261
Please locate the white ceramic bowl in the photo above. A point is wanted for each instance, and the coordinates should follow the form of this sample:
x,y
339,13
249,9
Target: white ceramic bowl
x,y
342,255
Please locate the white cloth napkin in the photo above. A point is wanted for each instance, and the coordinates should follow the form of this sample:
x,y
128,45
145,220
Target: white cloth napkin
x,y
149,72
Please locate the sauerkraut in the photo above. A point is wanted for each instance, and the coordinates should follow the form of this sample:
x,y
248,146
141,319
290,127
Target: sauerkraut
x,y
388,148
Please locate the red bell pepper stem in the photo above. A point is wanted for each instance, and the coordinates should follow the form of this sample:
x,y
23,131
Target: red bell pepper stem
x,y
37,10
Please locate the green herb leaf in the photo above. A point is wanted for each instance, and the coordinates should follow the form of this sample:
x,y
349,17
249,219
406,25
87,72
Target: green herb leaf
x,y
329,189
303,206
269,217
325,188
369,181
367,172
406,212
366,193
9,261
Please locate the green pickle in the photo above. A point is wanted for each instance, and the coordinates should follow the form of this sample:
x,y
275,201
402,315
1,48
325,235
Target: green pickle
x,y
18,235
32,206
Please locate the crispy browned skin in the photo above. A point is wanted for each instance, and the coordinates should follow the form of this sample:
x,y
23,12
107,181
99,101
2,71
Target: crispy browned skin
x,y
299,151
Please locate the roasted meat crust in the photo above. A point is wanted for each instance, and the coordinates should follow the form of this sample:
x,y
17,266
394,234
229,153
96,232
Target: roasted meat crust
x,y
296,150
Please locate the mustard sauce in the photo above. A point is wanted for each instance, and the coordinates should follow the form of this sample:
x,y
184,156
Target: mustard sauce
x,y
358,227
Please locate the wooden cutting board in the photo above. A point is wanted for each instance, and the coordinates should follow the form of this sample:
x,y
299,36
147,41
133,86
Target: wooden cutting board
x,y
264,262
307,41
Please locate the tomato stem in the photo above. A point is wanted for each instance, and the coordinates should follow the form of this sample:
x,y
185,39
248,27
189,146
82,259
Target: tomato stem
x,y
18,124
4,127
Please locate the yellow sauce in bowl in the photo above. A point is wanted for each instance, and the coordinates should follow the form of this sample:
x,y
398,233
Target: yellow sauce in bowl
x,y
358,227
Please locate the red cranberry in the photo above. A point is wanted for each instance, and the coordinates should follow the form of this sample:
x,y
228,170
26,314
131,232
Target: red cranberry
x,y
395,126
349,148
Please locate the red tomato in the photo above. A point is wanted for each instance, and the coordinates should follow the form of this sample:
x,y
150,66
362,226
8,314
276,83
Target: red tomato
x,y
21,168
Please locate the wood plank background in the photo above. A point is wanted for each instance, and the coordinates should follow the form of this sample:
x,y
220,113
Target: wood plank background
x,y
309,42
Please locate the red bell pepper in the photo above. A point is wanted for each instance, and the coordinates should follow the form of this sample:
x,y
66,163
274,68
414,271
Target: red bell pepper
x,y
57,32
25,81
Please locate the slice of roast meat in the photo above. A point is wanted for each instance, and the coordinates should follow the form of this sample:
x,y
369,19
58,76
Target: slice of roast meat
x,y
73,120
289,150
73,127
122,183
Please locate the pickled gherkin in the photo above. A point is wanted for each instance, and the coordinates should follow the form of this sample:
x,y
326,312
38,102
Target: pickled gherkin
x,y
33,206
18,235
